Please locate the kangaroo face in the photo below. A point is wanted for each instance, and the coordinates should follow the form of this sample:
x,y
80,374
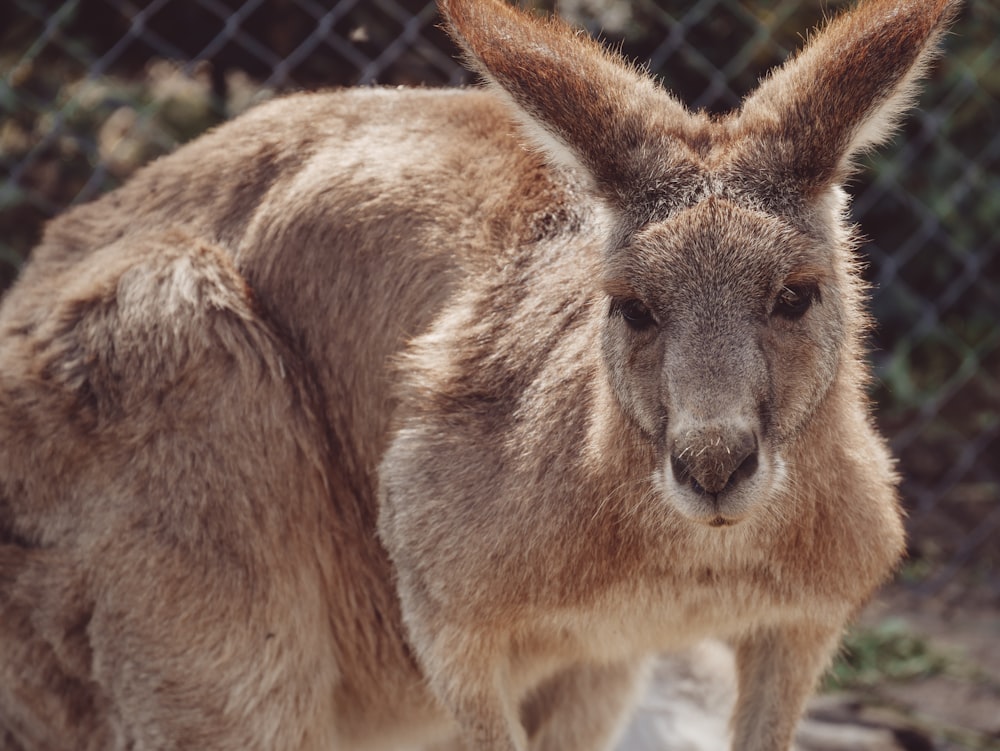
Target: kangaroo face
x,y
724,331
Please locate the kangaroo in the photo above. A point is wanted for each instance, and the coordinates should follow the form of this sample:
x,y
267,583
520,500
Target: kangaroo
x,y
383,419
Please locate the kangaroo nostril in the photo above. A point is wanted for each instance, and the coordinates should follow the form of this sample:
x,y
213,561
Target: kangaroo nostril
x,y
682,473
745,469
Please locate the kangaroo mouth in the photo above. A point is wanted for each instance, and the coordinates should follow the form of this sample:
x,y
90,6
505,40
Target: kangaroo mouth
x,y
735,503
722,521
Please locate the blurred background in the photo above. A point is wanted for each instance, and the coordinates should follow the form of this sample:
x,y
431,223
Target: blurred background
x,y
93,89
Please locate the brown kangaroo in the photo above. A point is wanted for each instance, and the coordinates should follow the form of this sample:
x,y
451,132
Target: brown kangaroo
x,y
386,419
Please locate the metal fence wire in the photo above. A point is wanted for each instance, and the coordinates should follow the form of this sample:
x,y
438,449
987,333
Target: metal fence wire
x,y
92,89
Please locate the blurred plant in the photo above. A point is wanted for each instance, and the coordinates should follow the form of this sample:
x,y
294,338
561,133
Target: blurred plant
x,y
888,651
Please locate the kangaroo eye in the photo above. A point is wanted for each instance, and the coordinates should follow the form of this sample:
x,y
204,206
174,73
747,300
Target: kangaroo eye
x,y
794,300
635,313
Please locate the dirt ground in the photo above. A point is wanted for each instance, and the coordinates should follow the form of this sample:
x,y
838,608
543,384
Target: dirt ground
x,y
957,708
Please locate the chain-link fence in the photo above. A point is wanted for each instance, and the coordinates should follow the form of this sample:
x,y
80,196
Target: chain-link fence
x,y
92,89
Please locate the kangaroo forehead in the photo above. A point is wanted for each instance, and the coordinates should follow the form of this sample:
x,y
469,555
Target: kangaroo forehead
x,y
737,184
717,238
683,177
718,216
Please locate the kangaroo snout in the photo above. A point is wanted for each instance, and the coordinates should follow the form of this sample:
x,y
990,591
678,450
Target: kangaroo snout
x,y
719,470
713,460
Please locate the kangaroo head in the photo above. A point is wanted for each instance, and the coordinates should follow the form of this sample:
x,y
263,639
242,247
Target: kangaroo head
x,y
729,284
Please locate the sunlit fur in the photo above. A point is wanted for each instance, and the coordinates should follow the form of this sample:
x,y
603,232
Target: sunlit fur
x,y
328,431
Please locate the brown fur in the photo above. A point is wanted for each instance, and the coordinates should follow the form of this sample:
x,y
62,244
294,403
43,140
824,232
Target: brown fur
x,y
356,425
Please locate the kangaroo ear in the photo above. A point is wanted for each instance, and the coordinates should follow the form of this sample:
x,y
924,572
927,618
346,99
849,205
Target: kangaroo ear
x,y
843,93
584,107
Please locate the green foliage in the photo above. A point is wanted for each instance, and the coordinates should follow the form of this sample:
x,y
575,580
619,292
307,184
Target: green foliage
x,y
888,651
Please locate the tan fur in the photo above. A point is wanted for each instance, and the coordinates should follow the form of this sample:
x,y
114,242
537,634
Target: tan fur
x,y
355,424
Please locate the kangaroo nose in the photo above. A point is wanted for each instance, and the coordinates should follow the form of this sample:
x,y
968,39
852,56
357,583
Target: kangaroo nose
x,y
714,461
